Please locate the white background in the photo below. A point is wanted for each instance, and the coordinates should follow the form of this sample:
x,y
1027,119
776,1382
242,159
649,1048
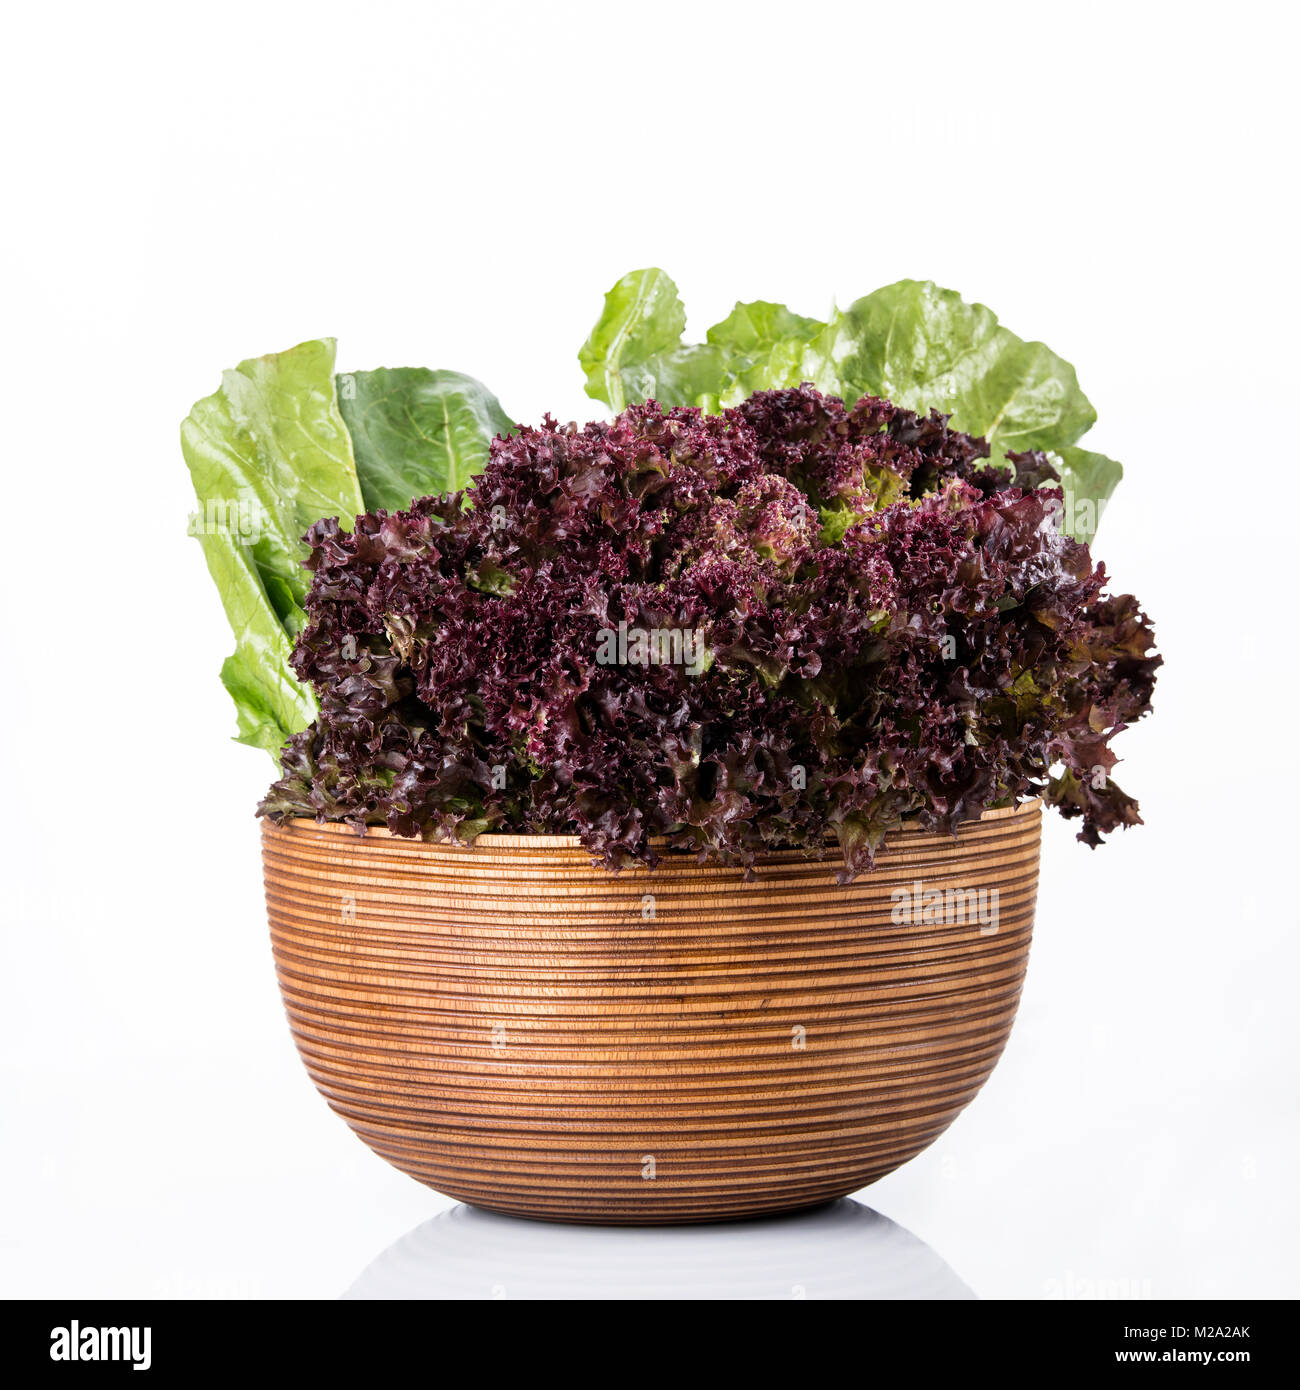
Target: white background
x,y
456,186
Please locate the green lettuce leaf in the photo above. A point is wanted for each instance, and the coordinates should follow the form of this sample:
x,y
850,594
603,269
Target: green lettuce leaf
x,y
269,456
271,448
918,345
922,347
271,703
635,350
417,432
763,347
1087,480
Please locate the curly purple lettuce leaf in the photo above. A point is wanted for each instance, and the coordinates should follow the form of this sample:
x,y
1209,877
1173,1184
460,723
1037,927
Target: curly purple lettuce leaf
x,y
789,624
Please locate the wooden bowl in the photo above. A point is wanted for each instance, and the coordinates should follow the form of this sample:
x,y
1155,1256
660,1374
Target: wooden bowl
x,y
522,1031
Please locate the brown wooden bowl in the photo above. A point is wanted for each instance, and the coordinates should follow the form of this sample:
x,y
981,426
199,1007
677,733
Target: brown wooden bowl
x,y
522,1031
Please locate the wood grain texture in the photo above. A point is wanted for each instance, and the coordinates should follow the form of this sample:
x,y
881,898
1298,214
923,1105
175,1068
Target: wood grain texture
x,y
514,1028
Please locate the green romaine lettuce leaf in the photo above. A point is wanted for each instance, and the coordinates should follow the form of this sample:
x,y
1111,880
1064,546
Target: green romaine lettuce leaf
x,y
918,345
283,444
763,347
635,352
270,448
416,432
1087,480
922,347
269,456
270,702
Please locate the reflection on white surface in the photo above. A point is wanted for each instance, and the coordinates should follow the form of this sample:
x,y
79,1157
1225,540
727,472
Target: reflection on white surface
x,y
841,1250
